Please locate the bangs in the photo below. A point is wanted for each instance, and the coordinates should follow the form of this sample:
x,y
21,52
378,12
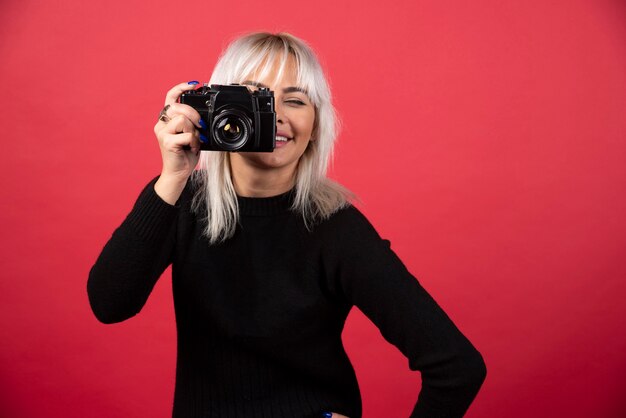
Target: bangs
x,y
254,59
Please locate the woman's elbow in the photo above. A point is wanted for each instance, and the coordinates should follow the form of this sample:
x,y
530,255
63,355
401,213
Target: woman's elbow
x,y
109,317
474,370
108,310
107,314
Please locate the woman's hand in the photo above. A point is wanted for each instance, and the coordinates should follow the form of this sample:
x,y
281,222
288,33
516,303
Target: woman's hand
x,y
179,140
335,415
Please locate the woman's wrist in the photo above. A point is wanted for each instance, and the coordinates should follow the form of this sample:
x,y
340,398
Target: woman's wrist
x,y
169,188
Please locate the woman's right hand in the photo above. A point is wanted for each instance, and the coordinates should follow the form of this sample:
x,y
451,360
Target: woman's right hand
x,y
179,140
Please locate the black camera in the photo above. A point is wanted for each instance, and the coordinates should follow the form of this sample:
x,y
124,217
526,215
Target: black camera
x,y
236,119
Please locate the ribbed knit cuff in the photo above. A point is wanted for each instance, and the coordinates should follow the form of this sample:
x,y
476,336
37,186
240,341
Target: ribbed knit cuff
x,y
152,217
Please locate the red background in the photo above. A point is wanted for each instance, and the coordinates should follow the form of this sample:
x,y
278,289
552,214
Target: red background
x,y
485,138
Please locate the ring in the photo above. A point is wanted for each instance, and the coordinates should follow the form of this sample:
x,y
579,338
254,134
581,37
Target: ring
x,y
163,114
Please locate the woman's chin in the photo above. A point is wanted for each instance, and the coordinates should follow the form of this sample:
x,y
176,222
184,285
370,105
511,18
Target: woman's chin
x,y
263,160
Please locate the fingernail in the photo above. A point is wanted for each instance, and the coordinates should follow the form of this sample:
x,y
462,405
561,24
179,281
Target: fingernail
x,y
327,414
203,138
202,124
193,83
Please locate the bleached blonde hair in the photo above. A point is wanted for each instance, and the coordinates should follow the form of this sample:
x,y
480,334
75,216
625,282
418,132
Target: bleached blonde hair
x,y
317,197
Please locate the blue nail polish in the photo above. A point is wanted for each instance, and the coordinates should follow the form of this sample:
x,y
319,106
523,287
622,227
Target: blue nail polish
x,y
193,83
203,138
202,124
327,414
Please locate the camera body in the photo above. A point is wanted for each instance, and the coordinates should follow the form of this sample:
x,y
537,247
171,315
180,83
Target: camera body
x,y
236,119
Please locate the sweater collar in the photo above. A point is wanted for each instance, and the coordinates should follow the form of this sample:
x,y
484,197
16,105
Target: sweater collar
x,y
262,206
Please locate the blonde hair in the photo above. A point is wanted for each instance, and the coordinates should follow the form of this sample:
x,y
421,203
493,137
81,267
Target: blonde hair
x,y
316,196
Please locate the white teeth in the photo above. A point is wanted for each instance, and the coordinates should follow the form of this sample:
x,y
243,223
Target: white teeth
x,y
282,138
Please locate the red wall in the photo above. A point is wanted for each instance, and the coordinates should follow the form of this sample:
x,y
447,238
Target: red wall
x,y
485,138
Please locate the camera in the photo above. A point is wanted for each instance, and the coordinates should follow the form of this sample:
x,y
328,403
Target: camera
x,y
236,119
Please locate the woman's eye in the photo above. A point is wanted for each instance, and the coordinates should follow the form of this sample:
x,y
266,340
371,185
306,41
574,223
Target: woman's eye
x,y
298,102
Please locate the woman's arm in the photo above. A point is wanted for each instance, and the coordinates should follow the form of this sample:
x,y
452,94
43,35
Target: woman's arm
x,y
141,248
374,279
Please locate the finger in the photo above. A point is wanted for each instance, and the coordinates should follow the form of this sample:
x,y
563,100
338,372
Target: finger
x,y
172,96
194,143
176,109
179,124
179,131
176,143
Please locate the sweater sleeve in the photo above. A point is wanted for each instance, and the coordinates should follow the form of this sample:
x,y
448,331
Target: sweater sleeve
x,y
133,259
374,279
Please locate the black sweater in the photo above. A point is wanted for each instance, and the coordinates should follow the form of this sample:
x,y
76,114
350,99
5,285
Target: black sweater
x,y
259,317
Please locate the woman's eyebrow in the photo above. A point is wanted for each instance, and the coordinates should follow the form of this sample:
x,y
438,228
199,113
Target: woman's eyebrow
x,y
291,89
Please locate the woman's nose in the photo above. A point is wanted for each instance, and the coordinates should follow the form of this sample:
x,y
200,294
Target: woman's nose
x,y
280,115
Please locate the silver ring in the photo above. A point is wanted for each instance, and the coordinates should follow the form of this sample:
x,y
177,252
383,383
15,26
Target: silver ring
x,y
163,114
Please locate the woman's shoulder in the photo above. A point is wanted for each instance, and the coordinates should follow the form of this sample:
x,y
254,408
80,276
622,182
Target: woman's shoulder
x,y
347,221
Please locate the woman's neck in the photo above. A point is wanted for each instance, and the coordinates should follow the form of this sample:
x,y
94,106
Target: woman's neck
x,y
251,181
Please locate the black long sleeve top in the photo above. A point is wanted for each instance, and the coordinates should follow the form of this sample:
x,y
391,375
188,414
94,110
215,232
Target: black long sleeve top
x,y
259,317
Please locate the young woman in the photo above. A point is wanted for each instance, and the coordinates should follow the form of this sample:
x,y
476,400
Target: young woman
x,y
268,258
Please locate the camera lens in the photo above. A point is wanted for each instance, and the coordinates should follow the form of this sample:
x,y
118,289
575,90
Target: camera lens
x,y
231,129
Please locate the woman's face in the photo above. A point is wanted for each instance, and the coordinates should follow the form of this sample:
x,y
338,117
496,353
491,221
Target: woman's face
x,y
295,116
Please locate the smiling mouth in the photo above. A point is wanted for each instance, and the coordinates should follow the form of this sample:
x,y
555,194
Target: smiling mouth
x,y
282,138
